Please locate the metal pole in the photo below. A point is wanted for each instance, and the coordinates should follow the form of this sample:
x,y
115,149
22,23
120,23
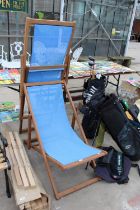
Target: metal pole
x,y
53,6
100,15
107,34
62,10
8,22
66,10
84,18
112,27
17,25
83,38
131,25
32,8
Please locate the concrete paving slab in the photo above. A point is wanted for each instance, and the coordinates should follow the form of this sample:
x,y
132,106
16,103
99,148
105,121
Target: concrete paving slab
x,y
95,197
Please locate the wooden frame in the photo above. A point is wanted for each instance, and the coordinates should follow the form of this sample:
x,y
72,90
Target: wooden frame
x,y
24,69
37,143
39,146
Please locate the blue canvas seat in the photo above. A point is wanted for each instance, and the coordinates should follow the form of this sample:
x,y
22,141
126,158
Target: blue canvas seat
x,y
59,139
42,84
50,45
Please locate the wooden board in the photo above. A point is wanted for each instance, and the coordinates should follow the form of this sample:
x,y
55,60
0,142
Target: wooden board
x,y
1,155
25,160
19,161
14,165
34,196
3,166
38,204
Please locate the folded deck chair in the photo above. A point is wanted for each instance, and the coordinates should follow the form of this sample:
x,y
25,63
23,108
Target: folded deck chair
x,y
42,84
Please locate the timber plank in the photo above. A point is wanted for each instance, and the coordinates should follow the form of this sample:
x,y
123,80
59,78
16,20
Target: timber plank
x,y
14,165
1,155
2,160
25,160
3,166
30,198
19,161
28,206
44,201
22,207
39,204
33,204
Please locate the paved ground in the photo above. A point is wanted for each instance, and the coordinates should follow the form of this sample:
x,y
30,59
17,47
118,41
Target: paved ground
x,y
96,197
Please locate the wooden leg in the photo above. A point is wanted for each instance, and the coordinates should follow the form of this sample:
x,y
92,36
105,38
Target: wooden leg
x,y
73,121
22,102
25,130
78,187
73,117
29,131
75,188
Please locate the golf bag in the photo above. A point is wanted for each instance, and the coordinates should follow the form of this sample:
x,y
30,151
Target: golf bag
x,y
122,130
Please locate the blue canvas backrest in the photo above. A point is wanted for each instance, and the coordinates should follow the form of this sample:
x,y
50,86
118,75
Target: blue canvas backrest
x,y
49,48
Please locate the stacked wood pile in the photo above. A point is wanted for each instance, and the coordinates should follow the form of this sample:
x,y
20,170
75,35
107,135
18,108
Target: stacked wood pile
x,y
28,191
38,204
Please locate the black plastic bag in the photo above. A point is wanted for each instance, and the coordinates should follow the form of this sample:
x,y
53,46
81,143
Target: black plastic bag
x,y
129,141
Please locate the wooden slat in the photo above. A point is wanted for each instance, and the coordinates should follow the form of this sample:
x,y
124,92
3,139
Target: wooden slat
x,y
43,83
26,116
33,204
78,186
28,206
14,163
2,160
3,166
19,161
29,132
33,193
44,68
1,155
25,160
44,201
22,207
32,21
25,130
39,204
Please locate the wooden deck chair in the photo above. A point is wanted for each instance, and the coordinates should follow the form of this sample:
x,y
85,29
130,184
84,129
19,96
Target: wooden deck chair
x,y
43,83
